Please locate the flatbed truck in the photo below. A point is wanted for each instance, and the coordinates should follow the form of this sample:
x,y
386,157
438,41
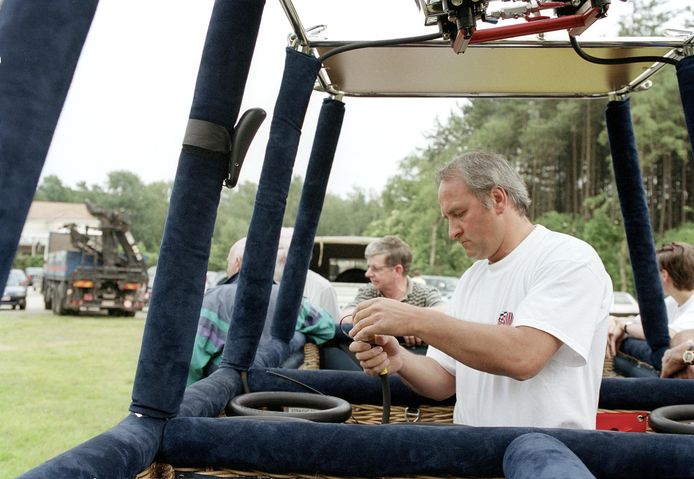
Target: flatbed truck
x,y
98,270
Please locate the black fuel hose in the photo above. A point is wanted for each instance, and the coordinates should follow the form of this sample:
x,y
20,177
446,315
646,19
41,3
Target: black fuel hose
x,y
385,387
618,61
378,43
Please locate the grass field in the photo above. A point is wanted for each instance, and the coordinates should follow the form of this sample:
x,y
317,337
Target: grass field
x,y
63,380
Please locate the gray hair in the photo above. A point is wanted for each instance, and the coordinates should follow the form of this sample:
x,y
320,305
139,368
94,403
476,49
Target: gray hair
x,y
483,171
286,234
395,250
235,254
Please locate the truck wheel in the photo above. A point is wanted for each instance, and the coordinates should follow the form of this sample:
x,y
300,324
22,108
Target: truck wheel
x,y
23,305
47,296
58,298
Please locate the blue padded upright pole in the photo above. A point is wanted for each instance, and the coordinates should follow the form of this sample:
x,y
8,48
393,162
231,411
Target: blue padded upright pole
x,y
40,43
307,218
685,77
255,280
172,319
637,226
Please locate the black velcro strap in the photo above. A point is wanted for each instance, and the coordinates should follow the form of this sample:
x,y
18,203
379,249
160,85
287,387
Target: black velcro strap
x,y
207,135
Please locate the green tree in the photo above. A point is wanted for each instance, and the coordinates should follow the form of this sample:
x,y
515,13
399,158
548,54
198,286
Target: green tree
x,y
23,261
233,218
664,152
53,189
605,232
651,17
145,205
683,233
349,216
664,149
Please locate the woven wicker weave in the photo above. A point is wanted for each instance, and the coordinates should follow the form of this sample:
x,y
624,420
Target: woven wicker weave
x,y
608,369
311,357
168,472
157,471
224,473
372,414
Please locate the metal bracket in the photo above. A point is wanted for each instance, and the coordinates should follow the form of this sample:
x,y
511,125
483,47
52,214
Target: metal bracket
x,y
615,96
213,137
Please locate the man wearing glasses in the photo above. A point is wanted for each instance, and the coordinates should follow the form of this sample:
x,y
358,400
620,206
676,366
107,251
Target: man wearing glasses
x,y
389,260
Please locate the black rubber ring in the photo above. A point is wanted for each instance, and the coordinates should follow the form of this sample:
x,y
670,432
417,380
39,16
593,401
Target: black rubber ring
x,y
265,418
327,408
667,419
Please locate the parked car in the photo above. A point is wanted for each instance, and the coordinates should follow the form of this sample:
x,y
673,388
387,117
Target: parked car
x,y
34,276
445,284
624,304
15,293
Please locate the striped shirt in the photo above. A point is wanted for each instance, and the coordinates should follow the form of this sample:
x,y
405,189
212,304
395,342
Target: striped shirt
x,y
417,295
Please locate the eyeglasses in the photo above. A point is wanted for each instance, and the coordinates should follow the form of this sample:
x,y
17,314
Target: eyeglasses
x,y
666,248
378,269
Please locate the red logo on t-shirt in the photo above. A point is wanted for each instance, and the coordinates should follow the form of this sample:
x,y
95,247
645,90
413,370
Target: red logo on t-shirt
x,y
505,318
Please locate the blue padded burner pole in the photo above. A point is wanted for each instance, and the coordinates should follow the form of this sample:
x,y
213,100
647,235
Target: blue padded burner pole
x,y
637,225
179,285
685,77
40,43
255,280
310,208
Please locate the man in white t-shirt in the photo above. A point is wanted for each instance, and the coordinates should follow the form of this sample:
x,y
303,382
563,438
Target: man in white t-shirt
x,y
676,263
523,341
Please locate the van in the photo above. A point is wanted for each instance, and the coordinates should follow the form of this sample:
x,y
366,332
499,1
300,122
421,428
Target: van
x,y
340,259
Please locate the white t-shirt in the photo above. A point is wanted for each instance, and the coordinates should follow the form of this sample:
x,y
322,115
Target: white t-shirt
x,y
680,318
552,282
321,293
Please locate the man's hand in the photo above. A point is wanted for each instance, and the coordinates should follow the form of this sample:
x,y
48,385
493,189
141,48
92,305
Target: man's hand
x,y
374,359
412,341
383,316
615,335
673,365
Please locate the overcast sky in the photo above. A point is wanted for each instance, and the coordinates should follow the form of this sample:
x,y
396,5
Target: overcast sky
x,y
129,101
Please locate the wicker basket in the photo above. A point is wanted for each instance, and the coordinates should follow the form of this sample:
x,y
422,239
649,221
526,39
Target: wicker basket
x,y
372,414
165,471
361,414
